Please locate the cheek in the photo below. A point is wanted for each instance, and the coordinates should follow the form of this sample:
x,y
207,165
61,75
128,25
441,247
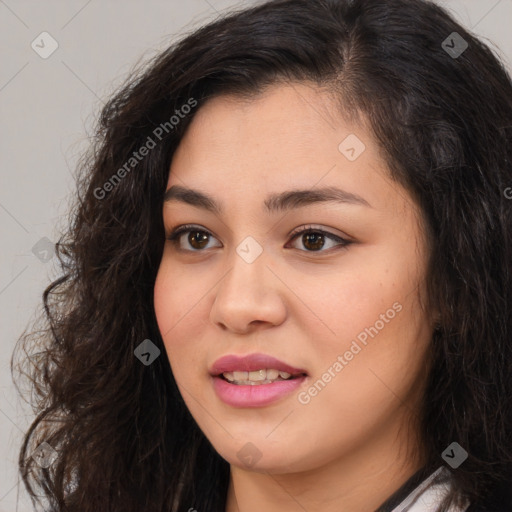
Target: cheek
x,y
344,307
168,311
179,312
176,296
377,296
371,368
164,301
372,318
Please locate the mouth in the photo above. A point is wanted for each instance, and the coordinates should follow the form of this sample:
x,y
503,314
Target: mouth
x,y
254,380
254,369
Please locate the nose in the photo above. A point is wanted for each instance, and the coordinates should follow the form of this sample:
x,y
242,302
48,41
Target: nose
x,y
248,297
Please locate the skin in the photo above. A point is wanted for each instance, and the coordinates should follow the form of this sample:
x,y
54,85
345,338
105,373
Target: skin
x,y
356,441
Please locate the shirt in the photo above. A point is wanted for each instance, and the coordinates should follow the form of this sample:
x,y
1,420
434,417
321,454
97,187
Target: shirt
x,y
422,494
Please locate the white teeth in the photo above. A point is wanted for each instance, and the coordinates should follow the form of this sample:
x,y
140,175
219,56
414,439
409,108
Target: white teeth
x,y
258,375
272,374
263,376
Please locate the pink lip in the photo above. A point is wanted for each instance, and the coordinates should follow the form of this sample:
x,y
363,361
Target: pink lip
x,y
254,396
252,362
259,394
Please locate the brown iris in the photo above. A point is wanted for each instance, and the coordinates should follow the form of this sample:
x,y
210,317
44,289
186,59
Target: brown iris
x,y
315,239
198,237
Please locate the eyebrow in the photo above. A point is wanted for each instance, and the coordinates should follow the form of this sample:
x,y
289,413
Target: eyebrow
x,y
277,202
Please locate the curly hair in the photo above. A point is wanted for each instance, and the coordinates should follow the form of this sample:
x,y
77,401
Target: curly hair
x,y
125,439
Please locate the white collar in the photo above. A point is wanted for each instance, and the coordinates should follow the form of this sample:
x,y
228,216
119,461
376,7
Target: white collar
x,y
426,498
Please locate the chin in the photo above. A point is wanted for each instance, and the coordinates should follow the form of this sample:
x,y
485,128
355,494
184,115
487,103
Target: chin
x,y
264,458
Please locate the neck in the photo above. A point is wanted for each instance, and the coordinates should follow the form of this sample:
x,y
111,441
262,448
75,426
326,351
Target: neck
x,y
358,481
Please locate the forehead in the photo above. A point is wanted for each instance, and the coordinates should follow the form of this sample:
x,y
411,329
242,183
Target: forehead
x,y
280,109
289,136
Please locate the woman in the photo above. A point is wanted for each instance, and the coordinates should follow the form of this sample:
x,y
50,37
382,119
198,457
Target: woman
x,y
287,280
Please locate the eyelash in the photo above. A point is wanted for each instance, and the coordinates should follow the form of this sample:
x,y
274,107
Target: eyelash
x,y
187,228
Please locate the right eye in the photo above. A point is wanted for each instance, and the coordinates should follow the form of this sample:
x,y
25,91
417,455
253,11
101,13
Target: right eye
x,y
197,238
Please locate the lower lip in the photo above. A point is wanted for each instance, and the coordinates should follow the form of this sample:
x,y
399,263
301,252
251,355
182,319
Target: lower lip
x,y
240,395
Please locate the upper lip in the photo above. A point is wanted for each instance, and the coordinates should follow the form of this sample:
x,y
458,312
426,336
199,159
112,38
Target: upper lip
x,y
251,362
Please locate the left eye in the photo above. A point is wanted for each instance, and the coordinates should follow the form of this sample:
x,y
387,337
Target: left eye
x,y
313,239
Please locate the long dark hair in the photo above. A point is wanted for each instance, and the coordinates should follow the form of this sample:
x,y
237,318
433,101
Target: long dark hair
x,y
442,114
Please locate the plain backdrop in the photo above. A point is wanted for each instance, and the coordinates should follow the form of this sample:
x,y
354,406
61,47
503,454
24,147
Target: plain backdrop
x,y
48,107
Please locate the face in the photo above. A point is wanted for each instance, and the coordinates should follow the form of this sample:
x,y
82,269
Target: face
x,y
330,285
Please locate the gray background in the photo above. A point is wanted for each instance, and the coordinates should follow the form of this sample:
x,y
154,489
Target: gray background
x,y
47,109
